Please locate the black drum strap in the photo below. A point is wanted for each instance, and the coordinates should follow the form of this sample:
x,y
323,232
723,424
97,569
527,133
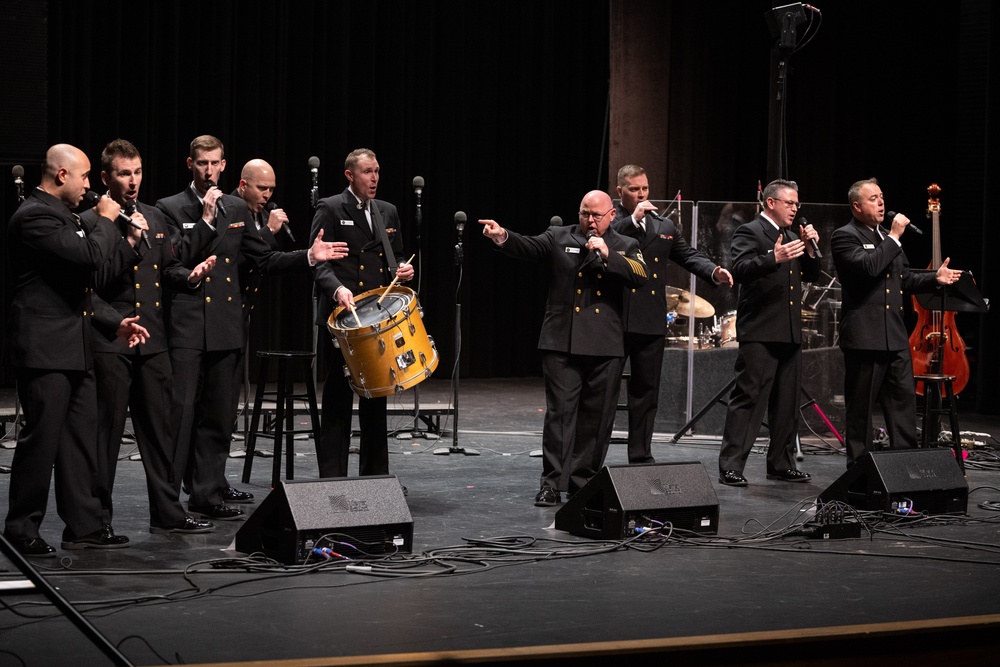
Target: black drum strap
x,y
390,256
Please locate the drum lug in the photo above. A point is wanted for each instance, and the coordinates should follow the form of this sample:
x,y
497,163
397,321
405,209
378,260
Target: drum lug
x,y
423,360
381,346
336,343
413,328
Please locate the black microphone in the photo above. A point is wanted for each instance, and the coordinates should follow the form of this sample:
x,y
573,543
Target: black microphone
x,y
18,173
270,206
460,220
889,215
218,202
591,235
130,207
556,221
803,222
314,193
418,185
90,200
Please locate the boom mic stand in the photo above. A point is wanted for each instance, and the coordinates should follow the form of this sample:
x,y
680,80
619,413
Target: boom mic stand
x,y
460,220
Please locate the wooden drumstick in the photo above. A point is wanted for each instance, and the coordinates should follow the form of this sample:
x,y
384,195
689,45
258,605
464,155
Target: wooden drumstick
x,y
393,283
354,312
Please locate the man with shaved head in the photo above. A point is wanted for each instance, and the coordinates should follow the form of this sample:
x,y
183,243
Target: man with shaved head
x,y
581,341
53,258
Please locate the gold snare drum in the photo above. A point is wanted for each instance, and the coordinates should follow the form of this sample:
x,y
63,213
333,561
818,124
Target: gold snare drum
x,y
388,350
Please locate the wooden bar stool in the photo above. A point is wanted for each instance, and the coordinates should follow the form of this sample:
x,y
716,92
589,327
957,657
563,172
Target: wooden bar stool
x,y
284,418
938,402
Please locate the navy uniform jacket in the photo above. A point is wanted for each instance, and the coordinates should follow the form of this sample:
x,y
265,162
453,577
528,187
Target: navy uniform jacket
x,y
769,309
210,316
52,263
133,281
583,312
873,274
365,267
646,307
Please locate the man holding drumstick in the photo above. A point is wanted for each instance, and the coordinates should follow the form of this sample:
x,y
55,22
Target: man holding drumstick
x,y
370,227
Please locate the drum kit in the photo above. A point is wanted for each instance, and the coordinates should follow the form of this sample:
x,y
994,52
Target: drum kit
x,y
385,346
681,306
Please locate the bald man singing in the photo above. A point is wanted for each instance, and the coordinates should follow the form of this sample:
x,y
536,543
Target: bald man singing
x,y
52,260
582,337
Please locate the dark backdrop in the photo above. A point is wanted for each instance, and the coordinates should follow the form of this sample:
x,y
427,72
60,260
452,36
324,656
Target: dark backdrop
x,y
503,109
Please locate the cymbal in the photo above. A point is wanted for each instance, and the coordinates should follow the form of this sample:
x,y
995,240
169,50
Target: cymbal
x,y
686,304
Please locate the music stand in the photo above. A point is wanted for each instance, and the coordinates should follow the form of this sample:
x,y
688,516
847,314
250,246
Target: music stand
x,y
960,297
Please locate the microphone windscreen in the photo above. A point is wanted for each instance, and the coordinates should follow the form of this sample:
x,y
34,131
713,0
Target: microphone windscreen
x,y
270,206
418,182
17,171
314,162
556,221
460,217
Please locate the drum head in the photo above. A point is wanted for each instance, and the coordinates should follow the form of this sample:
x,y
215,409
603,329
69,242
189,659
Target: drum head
x,y
370,311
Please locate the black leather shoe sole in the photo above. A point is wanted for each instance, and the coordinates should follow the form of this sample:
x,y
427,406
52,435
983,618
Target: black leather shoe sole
x,y
232,495
189,526
790,476
217,512
99,540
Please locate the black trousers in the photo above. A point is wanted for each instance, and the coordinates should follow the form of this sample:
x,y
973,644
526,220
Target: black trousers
x,y
885,378
768,376
335,421
645,354
581,393
139,384
203,413
60,429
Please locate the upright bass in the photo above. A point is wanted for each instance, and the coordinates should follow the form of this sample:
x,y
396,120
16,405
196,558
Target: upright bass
x,y
935,344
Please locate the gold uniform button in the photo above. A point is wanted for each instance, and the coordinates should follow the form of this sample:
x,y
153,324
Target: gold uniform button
x,y
654,275
599,276
157,284
362,267
577,309
135,268
157,304
791,287
580,291
256,289
887,306
227,260
887,291
208,299
656,259
137,286
633,290
597,310
598,292
653,292
229,298
85,312
208,279
228,279
138,305
155,267
579,275
361,284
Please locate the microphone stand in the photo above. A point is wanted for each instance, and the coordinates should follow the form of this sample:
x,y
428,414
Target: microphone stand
x,y
460,219
418,190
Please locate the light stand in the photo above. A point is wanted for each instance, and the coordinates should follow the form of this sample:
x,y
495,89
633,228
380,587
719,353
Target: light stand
x,y
460,220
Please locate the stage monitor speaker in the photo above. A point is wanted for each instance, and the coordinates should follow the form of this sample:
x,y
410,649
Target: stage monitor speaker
x,y
622,501
356,517
903,481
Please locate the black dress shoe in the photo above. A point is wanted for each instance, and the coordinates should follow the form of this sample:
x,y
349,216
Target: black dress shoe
x,y
732,478
547,497
789,475
188,525
231,495
104,538
217,512
405,491
32,547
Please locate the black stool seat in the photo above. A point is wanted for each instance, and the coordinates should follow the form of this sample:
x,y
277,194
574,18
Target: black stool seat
x,y
284,417
939,399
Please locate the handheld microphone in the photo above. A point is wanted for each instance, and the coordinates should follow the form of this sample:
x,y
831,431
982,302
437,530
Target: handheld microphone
x,y
90,200
130,207
889,215
815,246
314,193
591,235
218,202
270,206
460,220
556,221
418,185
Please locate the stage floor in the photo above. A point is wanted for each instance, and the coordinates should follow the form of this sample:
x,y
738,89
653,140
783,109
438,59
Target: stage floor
x,y
496,576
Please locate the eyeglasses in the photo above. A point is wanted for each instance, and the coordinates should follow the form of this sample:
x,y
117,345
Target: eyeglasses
x,y
789,203
587,215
